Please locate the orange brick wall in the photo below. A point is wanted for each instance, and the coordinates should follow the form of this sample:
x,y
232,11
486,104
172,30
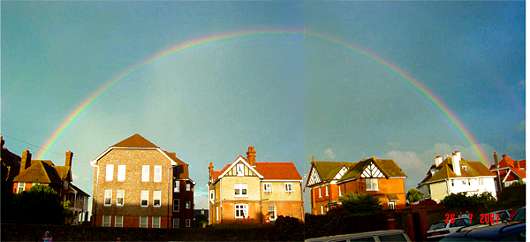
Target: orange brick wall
x,y
394,186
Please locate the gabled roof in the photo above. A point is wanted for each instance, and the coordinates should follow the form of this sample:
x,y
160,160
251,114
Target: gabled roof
x,y
389,168
328,169
445,170
278,170
41,171
136,141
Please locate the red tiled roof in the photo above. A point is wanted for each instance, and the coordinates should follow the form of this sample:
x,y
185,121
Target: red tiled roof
x,y
135,140
278,170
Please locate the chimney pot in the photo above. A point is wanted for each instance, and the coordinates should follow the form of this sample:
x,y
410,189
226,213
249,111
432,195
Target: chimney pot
x,y
456,158
251,156
25,160
68,158
438,160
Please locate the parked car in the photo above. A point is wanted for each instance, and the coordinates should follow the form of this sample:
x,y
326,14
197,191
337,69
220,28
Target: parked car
x,y
376,236
495,217
520,215
441,229
498,232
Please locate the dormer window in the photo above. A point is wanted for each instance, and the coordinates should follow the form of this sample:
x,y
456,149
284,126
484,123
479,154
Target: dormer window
x,y
240,169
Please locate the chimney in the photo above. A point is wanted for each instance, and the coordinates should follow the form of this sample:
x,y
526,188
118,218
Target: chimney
x,y
25,161
68,159
438,160
251,156
495,159
210,169
457,157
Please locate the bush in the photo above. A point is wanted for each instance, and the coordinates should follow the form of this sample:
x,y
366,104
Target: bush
x,y
39,205
361,204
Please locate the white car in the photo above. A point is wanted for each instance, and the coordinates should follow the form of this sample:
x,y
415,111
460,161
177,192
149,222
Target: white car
x,y
441,229
394,235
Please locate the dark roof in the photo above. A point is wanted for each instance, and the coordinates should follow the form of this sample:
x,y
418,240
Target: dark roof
x,y
389,168
40,171
135,140
445,170
328,169
74,187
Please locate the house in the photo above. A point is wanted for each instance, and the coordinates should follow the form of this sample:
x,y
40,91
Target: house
x,y
328,181
508,171
454,174
10,163
250,191
45,172
137,184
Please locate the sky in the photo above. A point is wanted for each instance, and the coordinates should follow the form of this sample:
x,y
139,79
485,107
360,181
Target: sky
x,y
293,96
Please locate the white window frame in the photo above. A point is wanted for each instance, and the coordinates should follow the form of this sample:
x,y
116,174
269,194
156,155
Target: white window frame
x,y
188,204
144,196
120,224
327,191
321,209
157,174
146,222
153,219
106,223
21,187
274,215
188,223
177,186
177,202
372,184
267,187
240,169
157,195
216,213
188,187
176,223
320,192
109,172
240,207
107,195
212,195
392,205
120,194
121,172
288,187
340,192
239,188
145,173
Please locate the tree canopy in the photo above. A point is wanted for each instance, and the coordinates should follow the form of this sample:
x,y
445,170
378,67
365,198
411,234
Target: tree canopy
x,y
414,195
39,205
361,204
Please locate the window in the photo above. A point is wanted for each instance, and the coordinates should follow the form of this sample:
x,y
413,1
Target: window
x,y
143,222
109,172
145,173
288,187
107,199
267,187
21,187
177,186
240,190
452,183
120,197
240,169
372,184
392,205
176,223
272,212
340,192
321,209
480,181
463,182
157,199
319,192
155,222
188,223
327,192
158,174
106,221
121,173
216,213
176,205
241,210
144,197
188,204
118,221
188,187
212,195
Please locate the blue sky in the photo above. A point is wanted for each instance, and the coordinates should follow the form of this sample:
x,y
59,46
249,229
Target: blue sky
x,y
291,96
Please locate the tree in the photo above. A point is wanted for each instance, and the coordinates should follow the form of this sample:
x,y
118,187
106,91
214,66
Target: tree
x,y
39,205
361,204
513,196
459,202
414,195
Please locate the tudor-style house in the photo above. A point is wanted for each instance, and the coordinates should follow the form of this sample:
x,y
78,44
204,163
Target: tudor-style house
x,y
59,178
330,180
137,184
508,171
454,174
250,191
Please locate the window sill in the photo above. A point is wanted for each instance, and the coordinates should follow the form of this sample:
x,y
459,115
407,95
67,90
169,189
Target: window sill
x,y
107,205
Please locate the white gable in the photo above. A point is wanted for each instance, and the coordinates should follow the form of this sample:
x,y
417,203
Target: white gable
x,y
240,167
341,173
313,178
371,171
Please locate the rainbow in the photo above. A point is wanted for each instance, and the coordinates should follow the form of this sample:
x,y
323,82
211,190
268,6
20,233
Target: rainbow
x,y
193,43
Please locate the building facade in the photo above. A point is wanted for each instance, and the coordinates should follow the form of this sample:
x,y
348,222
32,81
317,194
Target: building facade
x,y
329,181
137,184
508,171
453,174
46,173
247,191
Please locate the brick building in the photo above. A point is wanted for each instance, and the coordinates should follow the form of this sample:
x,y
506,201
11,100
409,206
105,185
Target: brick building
x,y
248,191
328,181
508,171
46,173
137,184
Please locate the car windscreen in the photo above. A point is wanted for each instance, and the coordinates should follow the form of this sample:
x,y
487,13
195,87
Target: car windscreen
x,y
439,225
